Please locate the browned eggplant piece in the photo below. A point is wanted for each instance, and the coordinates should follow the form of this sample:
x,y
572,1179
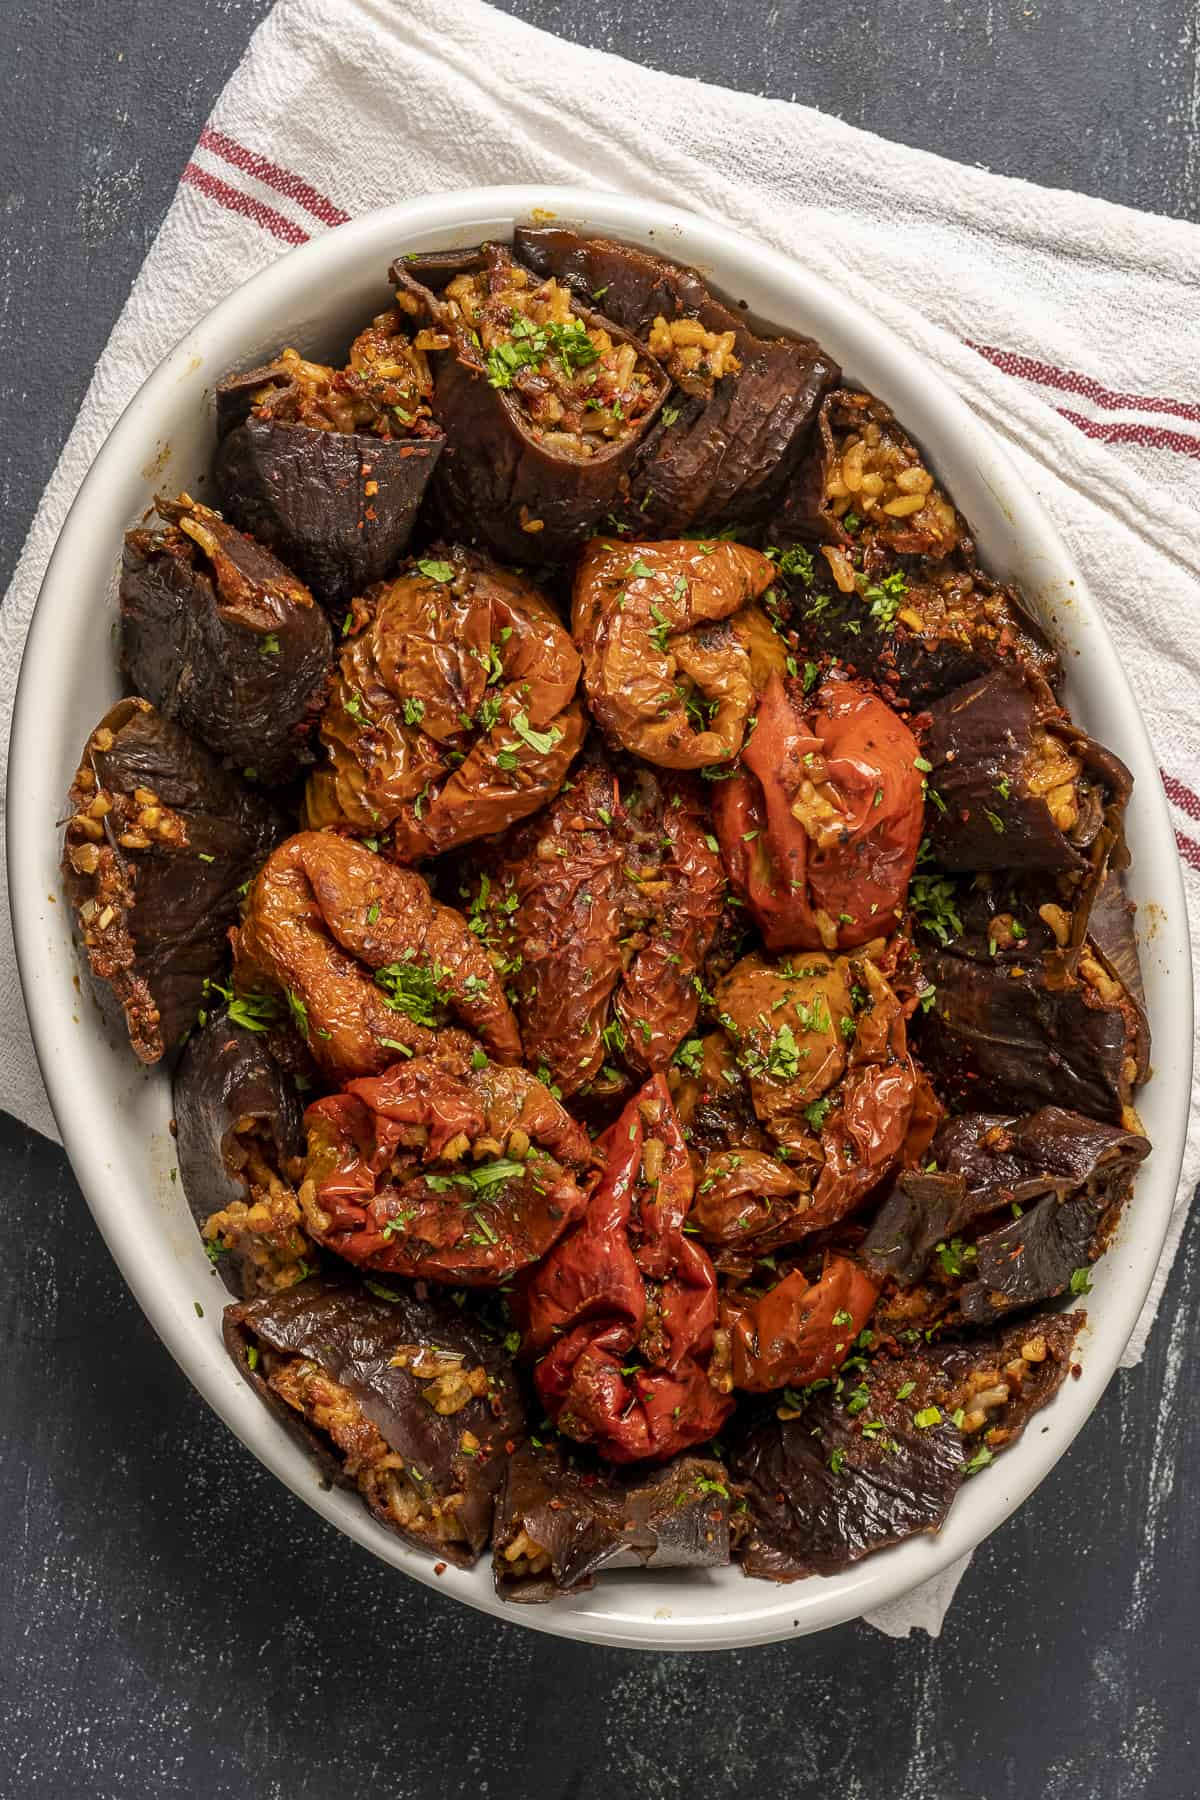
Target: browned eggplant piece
x,y
916,632
601,910
160,840
674,648
239,1139
1058,1182
328,467
1018,1036
394,1392
224,640
362,959
1016,785
452,715
865,489
560,1522
734,433
880,1455
545,405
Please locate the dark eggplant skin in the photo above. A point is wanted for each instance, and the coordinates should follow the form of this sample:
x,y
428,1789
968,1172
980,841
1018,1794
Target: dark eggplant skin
x,y
232,1099
824,1492
338,507
733,442
495,470
969,625
172,893
1019,1036
353,1334
1070,1176
587,1518
223,639
986,816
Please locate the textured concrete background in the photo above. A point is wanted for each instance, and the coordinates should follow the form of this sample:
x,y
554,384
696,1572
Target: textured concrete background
x,y
172,1623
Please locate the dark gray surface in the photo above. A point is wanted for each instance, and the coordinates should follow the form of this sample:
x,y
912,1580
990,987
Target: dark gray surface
x,y
171,1621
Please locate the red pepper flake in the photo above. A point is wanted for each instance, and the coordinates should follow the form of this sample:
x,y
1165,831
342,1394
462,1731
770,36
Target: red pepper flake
x,y
439,1568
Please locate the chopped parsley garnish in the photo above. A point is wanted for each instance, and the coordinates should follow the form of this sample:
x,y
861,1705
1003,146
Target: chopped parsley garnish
x,y
995,821
269,645
954,1255
1081,1281
794,563
884,598
414,712
928,1415
414,989
816,1115
690,1055
541,741
982,1457
933,901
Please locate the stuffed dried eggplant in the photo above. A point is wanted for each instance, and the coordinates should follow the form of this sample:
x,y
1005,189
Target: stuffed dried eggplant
x,y
559,1522
448,1167
674,650
159,841
1011,1211
1017,785
601,911
452,715
545,405
240,1143
820,827
917,632
865,487
800,1330
744,407
621,1317
362,961
1021,1035
328,467
880,1455
224,640
395,1393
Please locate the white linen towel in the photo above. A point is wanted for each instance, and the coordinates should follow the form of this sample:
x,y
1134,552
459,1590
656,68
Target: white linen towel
x,y
1067,323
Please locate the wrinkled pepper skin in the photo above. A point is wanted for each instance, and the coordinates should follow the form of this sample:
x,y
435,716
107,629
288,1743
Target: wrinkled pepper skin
x,y
628,1280
452,714
324,918
604,906
800,1330
399,1175
838,876
645,615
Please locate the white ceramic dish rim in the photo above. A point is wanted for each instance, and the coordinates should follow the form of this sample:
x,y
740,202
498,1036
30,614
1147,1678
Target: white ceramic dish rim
x,y
709,1610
